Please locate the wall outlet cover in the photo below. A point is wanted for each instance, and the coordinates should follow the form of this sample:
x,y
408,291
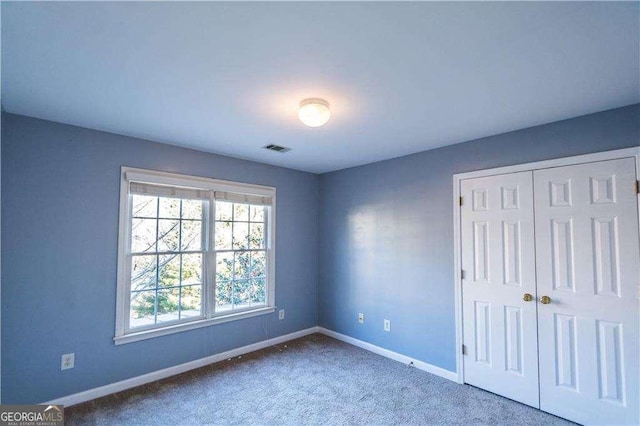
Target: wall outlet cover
x,y
387,325
361,318
68,361
281,314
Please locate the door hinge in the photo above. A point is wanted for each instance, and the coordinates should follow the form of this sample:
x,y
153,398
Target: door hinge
x,y
638,187
460,200
462,274
464,350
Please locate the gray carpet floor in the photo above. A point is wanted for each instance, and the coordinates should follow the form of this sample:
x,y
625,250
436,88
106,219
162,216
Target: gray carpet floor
x,y
312,380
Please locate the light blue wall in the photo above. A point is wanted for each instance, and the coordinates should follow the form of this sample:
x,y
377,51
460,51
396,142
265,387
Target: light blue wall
x,y
386,247
387,231
1,108
60,187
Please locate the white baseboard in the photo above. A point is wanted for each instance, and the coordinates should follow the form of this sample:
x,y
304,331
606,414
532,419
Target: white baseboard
x,y
429,368
105,390
94,393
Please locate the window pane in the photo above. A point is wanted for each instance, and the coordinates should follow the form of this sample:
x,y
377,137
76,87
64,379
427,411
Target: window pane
x,y
142,308
241,212
144,206
258,261
192,209
256,235
143,272
168,235
223,235
256,213
223,296
191,235
143,235
169,207
168,304
191,269
170,239
223,210
258,291
224,266
242,264
169,270
241,293
240,235
190,301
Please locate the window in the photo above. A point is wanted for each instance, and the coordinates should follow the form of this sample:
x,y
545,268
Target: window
x,y
192,252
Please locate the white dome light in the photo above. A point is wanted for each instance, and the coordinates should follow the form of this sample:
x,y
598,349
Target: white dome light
x,y
314,112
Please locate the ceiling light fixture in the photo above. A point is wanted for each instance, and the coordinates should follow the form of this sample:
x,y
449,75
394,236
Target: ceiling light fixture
x,y
314,112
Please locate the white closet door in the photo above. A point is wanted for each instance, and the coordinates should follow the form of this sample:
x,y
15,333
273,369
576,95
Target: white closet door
x,y
588,264
499,327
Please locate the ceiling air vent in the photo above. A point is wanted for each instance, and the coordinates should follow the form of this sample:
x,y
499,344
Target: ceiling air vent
x,y
277,148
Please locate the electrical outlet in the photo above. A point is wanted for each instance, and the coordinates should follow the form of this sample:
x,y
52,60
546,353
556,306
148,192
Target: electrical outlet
x,y
68,361
387,325
361,318
281,314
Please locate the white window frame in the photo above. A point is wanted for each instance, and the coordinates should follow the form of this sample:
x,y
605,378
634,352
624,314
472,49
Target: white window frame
x,y
129,174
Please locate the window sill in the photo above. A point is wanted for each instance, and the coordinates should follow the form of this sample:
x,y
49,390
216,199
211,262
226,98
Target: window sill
x,y
149,334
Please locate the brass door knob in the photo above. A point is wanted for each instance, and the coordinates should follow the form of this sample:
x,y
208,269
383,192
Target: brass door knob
x,y
545,300
527,297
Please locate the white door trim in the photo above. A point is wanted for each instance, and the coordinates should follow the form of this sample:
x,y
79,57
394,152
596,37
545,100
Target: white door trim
x,y
458,177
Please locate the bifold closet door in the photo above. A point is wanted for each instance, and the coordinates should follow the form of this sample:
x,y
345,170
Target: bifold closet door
x,y
588,266
498,260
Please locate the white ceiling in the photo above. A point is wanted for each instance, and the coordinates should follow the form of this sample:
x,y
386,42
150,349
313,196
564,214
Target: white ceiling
x,y
400,77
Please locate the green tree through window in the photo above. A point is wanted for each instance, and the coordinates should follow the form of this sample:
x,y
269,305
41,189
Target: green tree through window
x,y
167,247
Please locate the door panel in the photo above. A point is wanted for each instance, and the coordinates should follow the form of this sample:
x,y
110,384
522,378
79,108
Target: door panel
x,y
499,327
588,263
